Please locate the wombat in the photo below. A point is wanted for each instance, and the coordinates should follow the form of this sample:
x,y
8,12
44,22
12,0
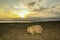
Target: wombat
x,y
35,29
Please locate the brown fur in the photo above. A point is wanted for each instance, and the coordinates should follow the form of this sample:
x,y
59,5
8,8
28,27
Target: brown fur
x,y
34,29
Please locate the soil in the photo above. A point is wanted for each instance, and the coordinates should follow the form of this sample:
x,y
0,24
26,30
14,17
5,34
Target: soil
x,y
17,31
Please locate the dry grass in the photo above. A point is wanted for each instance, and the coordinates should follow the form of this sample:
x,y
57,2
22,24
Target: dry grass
x,y
18,31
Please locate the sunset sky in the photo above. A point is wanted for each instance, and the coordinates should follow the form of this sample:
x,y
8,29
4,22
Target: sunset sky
x,y
12,2
46,7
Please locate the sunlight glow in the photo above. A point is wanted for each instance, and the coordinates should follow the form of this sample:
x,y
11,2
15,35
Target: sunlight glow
x,y
18,11
23,13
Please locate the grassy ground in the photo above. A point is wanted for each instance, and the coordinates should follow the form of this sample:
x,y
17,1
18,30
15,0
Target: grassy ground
x,y
18,31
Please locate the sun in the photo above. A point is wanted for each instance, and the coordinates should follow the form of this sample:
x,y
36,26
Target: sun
x,y
24,10
23,13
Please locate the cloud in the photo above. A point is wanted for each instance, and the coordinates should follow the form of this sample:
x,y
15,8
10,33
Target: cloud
x,y
36,4
41,4
42,8
54,9
31,3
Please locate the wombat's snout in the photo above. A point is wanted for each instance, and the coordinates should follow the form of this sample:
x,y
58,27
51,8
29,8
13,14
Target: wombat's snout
x,y
35,29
